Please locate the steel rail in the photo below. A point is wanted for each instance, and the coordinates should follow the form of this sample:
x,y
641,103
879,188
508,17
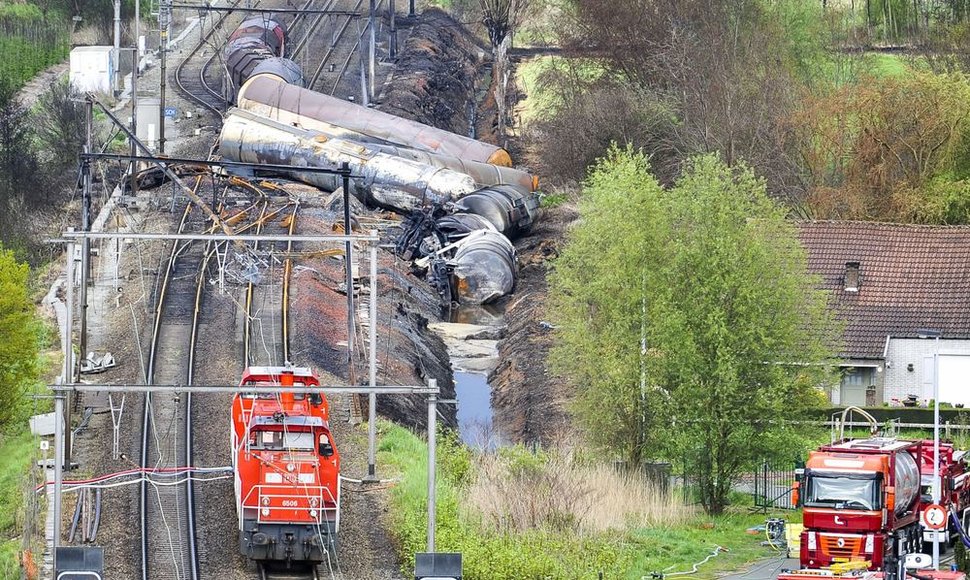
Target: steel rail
x,y
305,12
190,379
149,377
182,65
287,270
330,51
250,289
350,55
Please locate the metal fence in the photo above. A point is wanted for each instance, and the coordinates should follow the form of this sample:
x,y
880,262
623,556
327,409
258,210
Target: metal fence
x,y
771,485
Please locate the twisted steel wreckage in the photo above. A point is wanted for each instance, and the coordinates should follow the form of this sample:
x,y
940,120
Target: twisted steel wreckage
x,y
462,199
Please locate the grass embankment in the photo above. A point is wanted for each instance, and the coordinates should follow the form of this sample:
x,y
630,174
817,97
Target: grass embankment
x,y
515,515
17,452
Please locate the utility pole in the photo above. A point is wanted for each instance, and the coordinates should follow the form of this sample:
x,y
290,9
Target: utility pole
x,y
372,361
116,77
85,243
432,436
373,45
134,100
392,45
410,8
65,456
348,257
163,20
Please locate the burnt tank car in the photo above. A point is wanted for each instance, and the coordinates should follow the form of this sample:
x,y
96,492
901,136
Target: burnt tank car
x,y
258,46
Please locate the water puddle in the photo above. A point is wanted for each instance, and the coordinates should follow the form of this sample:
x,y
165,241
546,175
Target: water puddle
x,y
472,336
475,410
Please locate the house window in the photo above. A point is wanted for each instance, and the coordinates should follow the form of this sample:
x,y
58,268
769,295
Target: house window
x,y
852,277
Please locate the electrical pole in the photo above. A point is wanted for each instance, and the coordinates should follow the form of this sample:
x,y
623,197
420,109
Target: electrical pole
x,y
348,257
163,19
134,101
116,74
432,436
85,243
392,45
411,9
372,360
373,44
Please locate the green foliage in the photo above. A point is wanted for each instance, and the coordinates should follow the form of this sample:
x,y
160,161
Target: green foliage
x,y
487,555
29,44
542,554
891,149
598,290
21,332
688,324
17,452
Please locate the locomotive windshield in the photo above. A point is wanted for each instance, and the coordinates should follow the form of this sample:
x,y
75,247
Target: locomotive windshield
x,y
280,440
841,491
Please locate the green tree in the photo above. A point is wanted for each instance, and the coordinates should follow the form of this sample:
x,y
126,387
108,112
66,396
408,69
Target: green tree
x,y
19,368
598,285
689,325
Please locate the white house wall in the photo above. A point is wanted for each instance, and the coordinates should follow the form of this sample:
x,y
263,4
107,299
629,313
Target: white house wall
x,y
901,382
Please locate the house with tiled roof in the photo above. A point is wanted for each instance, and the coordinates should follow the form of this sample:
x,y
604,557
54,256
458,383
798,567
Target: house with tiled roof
x,y
894,286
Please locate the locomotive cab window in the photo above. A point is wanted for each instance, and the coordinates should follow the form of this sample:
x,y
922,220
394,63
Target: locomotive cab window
x,y
326,448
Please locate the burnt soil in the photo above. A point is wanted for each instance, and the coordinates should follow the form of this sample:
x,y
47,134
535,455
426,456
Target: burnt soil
x,y
530,402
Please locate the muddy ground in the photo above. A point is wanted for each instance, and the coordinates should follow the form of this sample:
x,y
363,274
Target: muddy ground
x,y
530,402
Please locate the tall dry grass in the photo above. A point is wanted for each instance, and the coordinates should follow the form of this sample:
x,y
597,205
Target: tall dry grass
x,y
516,491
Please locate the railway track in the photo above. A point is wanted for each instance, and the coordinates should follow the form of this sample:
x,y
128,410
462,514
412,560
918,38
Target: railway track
x,y
265,327
167,512
329,80
196,77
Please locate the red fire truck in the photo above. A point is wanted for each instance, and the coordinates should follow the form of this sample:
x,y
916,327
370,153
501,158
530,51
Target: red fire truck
x,y
863,501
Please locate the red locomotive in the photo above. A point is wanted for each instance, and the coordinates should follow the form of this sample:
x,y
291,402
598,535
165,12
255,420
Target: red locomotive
x,y
286,470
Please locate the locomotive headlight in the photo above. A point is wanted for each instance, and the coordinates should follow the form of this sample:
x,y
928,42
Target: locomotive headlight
x,y
290,467
266,511
313,502
265,501
313,513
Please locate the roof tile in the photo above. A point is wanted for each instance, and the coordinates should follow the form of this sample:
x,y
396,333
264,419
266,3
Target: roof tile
x,y
911,277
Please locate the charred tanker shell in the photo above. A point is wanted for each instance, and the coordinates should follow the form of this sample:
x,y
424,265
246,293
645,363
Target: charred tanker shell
x,y
269,32
255,41
283,68
271,97
387,181
511,209
484,267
